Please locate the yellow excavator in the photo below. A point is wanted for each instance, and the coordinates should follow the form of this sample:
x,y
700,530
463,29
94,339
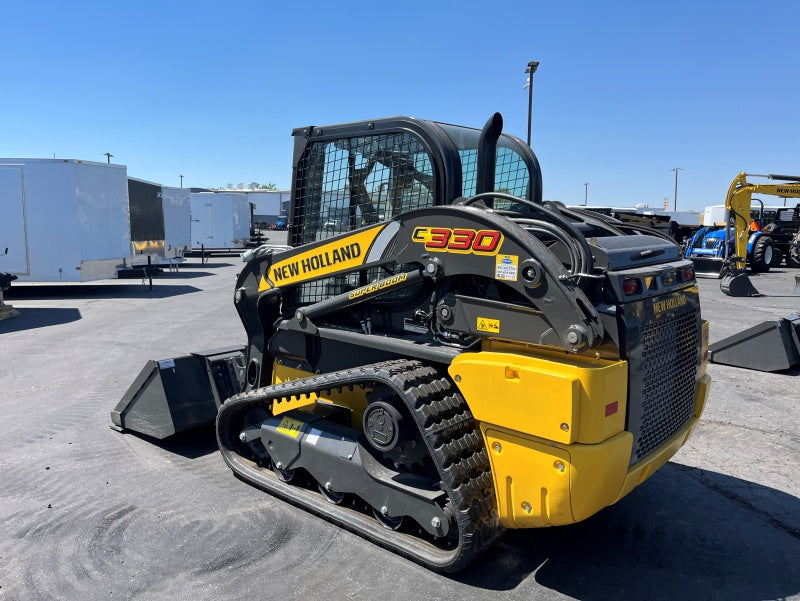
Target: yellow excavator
x,y
731,246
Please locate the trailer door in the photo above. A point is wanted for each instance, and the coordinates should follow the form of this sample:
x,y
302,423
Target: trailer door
x,y
13,234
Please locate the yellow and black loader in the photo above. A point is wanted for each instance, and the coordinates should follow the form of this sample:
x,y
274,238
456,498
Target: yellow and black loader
x,y
442,354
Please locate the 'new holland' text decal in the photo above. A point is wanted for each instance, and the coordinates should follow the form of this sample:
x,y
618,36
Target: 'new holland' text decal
x,y
339,255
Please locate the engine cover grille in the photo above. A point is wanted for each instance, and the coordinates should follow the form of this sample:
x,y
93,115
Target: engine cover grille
x,y
664,355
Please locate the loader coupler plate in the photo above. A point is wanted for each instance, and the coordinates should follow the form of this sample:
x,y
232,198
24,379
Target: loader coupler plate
x,y
181,393
769,346
708,267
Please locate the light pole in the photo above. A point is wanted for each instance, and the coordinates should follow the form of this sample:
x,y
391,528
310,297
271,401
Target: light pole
x,y
532,66
586,193
181,181
108,155
675,205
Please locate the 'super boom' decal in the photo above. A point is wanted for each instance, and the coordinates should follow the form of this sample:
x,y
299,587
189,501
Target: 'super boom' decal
x,y
459,240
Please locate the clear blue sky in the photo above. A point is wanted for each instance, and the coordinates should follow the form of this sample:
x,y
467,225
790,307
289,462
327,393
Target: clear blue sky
x,y
212,90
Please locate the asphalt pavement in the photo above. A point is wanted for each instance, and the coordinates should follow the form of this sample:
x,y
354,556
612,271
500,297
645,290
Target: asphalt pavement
x,y
87,513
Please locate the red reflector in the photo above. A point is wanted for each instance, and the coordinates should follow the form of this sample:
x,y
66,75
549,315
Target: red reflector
x,y
612,408
631,287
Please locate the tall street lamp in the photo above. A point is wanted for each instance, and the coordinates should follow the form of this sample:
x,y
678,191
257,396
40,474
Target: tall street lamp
x,y
181,181
586,193
676,169
108,155
532,66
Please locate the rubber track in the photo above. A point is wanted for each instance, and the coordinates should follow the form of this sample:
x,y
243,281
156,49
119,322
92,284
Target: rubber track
x,y
450,433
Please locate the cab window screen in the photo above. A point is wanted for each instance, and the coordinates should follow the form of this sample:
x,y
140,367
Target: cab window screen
x,y
352,182
511,172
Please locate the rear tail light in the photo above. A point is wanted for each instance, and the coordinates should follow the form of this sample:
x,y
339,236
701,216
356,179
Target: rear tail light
x,y
688,274
631,286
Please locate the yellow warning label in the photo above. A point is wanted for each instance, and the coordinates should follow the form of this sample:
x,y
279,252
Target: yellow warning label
x,y
486,324
290,427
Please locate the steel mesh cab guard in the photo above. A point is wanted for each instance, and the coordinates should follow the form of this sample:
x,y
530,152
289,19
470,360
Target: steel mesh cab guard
x,y
442,354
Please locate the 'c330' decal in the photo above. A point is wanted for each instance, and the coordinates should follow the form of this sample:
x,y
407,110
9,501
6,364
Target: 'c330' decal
x,y
459,240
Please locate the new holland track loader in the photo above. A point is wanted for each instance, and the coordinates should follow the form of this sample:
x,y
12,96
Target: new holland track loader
x,y
441,354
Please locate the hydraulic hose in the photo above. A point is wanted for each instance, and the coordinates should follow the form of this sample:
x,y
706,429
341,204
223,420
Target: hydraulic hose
x,y
586,260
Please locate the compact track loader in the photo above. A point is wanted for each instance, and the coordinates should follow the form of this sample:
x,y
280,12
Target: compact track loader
x,y
441,354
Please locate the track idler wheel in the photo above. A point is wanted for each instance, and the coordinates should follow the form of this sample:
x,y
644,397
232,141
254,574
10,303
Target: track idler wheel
x,y
284,475
390,523
331,496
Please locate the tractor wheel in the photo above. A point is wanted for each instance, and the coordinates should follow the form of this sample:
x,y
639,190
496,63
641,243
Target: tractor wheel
x,y
777,257
793,256
761,257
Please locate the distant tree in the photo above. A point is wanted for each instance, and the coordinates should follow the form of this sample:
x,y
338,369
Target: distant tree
x,y
269,186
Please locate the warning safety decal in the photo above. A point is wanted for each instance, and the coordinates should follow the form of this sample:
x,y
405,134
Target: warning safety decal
x,y
485,324
290,427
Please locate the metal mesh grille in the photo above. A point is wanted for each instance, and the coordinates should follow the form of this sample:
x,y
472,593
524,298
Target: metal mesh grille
x,y
669,363
352,182
511,175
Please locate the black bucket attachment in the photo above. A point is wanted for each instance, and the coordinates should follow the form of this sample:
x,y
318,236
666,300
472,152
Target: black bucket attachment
x,y
737,283
174,395
769,346
708,267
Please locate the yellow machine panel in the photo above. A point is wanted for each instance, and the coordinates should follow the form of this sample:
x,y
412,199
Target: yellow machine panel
x,y
541,484
556,397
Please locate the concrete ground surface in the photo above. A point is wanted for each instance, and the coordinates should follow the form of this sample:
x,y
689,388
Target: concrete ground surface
x,y
87,513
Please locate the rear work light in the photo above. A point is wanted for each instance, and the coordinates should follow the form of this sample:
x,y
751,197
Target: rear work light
x,y
631,286
668,278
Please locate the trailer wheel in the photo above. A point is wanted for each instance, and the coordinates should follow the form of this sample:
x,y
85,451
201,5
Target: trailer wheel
x,y
761,257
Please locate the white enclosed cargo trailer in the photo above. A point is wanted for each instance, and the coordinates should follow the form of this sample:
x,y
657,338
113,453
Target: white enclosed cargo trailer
x,y
220,220
177,207
63,219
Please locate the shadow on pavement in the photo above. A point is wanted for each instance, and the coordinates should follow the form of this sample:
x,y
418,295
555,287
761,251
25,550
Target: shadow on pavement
x,y
132,290
29,319
686,534
180,275
209,265
191,444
